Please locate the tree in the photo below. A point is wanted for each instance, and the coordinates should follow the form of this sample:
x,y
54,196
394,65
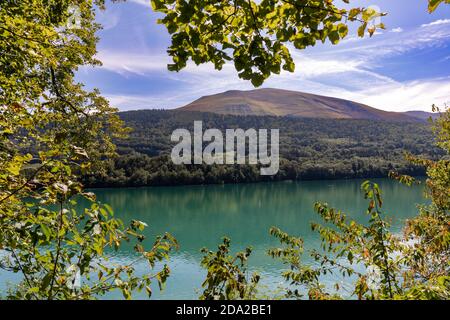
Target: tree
x,y
431,228
52,132
433,4
256,36
227,277
415,265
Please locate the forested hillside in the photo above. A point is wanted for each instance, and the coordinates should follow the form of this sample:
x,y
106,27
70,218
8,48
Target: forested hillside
x,y
309,149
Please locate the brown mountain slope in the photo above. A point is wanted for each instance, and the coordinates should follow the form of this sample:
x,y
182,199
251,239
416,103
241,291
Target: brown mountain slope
x,y
279,102
422,115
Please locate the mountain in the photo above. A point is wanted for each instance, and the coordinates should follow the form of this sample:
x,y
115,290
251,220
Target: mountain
x,y
422,115
278,102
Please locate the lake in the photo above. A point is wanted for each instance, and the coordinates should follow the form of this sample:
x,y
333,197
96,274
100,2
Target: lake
x,y
199,216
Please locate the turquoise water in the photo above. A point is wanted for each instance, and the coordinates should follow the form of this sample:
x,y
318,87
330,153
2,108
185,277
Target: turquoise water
x,y
199,216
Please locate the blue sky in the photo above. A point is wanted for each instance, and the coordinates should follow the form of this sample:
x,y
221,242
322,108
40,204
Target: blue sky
x,y
406,67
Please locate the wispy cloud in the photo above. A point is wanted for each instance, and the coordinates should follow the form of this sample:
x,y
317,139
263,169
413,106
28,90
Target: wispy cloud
x,y
436,23
396,43
108,19
135,102
397,30
411,95
127,62
414,95
145,3
353,70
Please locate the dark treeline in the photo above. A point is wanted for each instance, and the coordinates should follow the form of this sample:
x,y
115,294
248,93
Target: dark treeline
x,y
309,149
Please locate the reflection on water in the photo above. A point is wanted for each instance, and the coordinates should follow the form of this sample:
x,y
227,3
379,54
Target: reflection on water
x,y
199,216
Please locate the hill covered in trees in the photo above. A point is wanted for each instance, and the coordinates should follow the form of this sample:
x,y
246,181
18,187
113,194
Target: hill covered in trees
x,y
309,149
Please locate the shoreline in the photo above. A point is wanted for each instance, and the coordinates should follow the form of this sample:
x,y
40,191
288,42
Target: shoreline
x,y
421,177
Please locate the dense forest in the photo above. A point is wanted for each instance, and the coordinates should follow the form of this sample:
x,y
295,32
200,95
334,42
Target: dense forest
x,y
309,149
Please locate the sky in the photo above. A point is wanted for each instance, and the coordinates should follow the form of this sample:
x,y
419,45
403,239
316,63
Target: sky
x,y
405,67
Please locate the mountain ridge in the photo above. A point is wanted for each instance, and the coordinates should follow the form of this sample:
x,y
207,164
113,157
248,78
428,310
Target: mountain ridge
x,y
281,102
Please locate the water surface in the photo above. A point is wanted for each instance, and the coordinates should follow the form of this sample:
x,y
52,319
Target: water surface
x,y
199,216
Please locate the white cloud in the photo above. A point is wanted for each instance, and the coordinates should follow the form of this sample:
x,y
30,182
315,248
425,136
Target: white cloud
x,y
123,62
141,64
109,18
347,72
397,30
436,23
411,95
145,3
135,102
414,95
394,43
348,80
